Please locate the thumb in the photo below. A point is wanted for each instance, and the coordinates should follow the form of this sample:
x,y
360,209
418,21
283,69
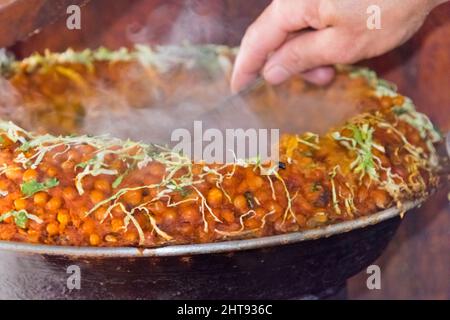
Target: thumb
x,y
307,51
319,76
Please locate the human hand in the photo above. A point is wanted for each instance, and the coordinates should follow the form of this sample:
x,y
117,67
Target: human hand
x,y
308,36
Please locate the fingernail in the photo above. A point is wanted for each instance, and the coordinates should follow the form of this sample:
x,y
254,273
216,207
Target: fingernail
x,y
320,76
276,74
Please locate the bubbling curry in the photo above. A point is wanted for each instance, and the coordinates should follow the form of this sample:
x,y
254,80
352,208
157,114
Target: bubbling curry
x,y
61,185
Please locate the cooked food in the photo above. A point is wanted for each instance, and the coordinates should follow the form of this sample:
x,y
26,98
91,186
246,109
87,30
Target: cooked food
x,y
85,190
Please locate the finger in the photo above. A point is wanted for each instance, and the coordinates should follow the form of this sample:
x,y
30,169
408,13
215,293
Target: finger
x,y
264,36
319,76
305,52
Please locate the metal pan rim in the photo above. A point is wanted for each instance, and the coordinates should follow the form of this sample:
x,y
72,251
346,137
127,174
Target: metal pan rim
x,y
209,248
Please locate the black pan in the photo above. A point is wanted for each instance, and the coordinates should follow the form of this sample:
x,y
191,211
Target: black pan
x,y
309,264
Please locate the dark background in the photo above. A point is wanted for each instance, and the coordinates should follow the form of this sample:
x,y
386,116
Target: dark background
x,y
416,264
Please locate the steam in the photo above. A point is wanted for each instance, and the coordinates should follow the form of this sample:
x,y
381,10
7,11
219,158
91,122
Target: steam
x,y
144,110
11,107
195,21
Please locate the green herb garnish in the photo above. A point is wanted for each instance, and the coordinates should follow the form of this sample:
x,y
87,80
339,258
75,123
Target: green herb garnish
x,y
31,187
362,143
119,179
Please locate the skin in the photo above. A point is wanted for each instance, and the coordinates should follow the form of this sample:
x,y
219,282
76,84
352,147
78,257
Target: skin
x,y
308,36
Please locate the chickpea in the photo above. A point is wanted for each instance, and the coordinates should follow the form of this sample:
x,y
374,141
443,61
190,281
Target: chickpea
x,y
130,236
94,239
116,224
86,151
117,165
254,183
190,214
88,226
54,204
96,196
252,223
4,184
242,187
15,195
69,193
40,199
320,217
110,238
301,220
68,166
263,196
227,215
170,216
215,197
52,229
29,174
74,156
63,217
211,178
133,197
157,169
362,194
100,213
197,169
260,212
33,236
240,202
88,182
229,182
102,185
52,172
303,205
117,212
13,173
149,180
380,198
20,204
275,207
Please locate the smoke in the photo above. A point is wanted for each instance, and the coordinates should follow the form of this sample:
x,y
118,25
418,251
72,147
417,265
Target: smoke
x,y
143,108
11,107
192,21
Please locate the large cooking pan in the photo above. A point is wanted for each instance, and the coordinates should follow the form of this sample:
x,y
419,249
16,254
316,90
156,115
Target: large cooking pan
x,y
308,264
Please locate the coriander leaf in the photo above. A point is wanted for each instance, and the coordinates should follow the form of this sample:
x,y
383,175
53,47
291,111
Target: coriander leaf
x,y
118,181
21,219
31,187
25,146
184,192
82,165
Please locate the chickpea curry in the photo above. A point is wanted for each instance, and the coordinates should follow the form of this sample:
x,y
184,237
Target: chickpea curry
x,y
81,190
